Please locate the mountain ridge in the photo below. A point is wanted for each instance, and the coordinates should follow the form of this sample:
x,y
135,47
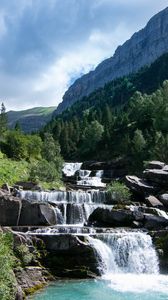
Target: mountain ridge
x,y
143,48
30,120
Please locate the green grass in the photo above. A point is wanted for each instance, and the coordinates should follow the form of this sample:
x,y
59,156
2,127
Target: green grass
x,y
7,262
35,111
12,171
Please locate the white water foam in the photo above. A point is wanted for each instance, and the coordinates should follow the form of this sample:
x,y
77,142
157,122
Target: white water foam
x,y
138,283
69,169
126,252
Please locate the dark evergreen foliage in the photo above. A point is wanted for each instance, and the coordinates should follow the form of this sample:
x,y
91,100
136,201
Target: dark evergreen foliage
x,y
132,113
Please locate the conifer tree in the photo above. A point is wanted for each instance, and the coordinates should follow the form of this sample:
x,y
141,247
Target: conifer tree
x,y
3,120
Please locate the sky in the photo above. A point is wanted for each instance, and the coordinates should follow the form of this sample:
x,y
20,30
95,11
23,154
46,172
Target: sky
x,y
46,44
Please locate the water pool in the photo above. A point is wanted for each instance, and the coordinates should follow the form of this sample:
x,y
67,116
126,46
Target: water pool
x,y
111,287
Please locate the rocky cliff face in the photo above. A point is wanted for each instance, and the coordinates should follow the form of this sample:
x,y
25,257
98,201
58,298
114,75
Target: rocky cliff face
x,y
142,49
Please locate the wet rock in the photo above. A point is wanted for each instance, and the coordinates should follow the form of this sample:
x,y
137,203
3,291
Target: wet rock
x,y
154,202
155,165
152,222
9,209
6,187
37,214
139,185
66,253
164,199
30,278
28,185
159,177
109,217
160,240
19,293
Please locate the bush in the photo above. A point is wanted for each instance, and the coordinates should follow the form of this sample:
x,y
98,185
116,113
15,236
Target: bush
x,y
12,171
43,171
23,253
119,191
7,261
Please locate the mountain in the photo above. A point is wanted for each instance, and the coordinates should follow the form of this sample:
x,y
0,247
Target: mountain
x,y
143,48
30,120
129,109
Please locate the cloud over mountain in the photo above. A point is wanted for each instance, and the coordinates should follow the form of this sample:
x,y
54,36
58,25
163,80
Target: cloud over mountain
x,y
46,45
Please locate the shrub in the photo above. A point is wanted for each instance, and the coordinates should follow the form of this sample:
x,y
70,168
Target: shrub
x,y
23,253
7,262
43,171
12,171
119,191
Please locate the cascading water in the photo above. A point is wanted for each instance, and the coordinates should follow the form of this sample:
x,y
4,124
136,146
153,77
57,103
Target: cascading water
x,y
69,169
126,258
72,207
83,177
126,252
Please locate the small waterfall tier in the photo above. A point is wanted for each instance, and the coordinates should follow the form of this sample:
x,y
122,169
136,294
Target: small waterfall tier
x,y
83,177
69,169
125,252
71,207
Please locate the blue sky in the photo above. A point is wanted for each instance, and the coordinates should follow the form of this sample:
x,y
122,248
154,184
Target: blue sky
x,y
46,44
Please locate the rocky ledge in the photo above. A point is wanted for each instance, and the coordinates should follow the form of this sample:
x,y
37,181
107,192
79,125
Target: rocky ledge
x,y
42,258
15,212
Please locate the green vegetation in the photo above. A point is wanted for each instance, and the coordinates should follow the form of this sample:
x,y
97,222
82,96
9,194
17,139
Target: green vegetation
x,y
119,192
24,255
7,262
12,171
30,120
26,157
127,118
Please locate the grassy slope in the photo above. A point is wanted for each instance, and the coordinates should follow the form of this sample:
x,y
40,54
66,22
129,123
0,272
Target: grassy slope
x,y
12,171
13,115
36,117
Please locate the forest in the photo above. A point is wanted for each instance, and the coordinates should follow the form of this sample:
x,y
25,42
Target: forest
x,y
127,119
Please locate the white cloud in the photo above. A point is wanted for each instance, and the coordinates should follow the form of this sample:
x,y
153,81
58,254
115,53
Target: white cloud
x,y
45,45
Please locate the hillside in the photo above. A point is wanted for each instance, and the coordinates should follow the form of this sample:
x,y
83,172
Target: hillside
x,y
125,111
30,120
143,48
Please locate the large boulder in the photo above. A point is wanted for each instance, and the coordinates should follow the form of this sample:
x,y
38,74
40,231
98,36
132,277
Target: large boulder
x,y
164,199
9,209
160,240
155,165
110,217
33,214
153,222
157,176
69,256
139,185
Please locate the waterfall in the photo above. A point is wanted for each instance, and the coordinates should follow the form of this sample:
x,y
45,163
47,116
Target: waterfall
x,y
91,181
59,216
60,196
72,207
84,173
100,173
126,252
83,176
69,169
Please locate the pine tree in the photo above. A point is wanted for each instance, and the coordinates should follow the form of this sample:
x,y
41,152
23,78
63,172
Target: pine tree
x,y
3,120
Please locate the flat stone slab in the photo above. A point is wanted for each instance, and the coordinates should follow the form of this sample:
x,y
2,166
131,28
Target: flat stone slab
x,y
137,184
154,164
154,202
157,176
